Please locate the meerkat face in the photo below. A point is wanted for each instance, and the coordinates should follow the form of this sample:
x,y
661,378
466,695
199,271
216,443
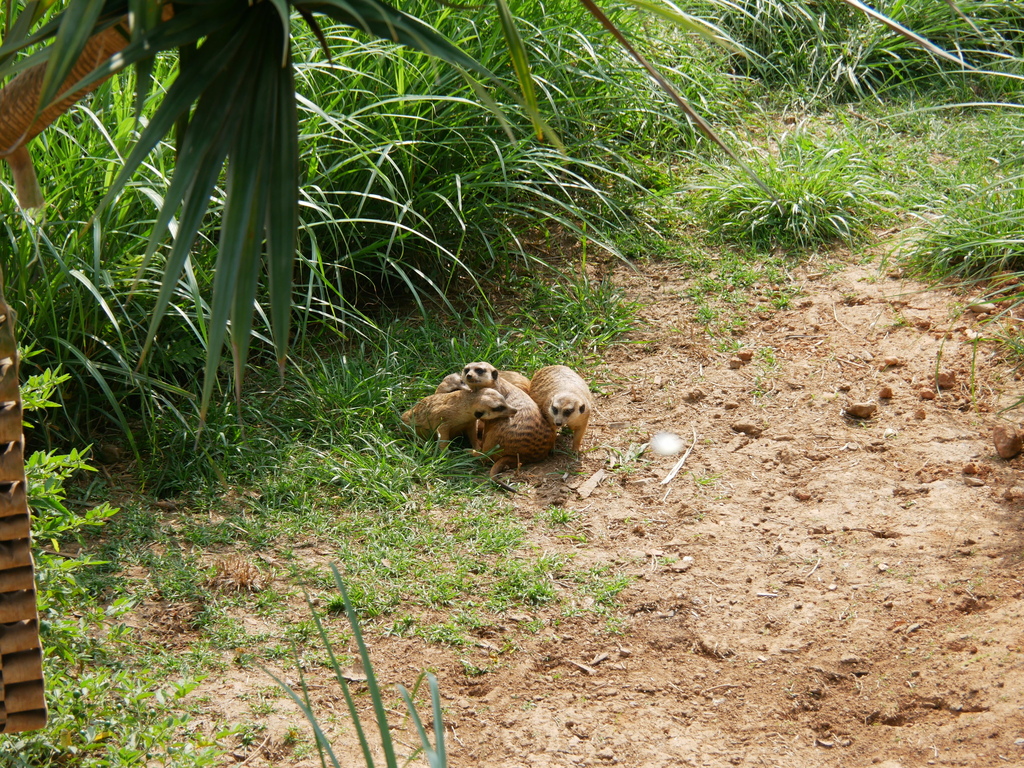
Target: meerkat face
x,y
452,383
478,375
564,408
491,405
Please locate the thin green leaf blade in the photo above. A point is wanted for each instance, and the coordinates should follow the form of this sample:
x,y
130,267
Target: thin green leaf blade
x,y
283,213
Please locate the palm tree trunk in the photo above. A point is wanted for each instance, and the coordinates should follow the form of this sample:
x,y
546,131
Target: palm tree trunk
x,y
19,101
22,703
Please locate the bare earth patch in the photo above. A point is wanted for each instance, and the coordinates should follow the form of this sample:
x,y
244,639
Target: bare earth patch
x,y
813,588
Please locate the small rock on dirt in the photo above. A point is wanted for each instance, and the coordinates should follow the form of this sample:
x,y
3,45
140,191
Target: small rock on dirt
x,y
694,396
885,393
745,355
735,363
926,394
1007,440
862,410
890,362
920,414
946,380
747,428
983,308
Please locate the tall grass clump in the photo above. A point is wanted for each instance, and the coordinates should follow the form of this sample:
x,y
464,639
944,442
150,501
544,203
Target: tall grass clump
x,y
831,51
977,237
818,195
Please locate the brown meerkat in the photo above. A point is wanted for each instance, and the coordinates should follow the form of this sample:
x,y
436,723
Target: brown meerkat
x,y
522,438
481,374
451,383
452,413
564,398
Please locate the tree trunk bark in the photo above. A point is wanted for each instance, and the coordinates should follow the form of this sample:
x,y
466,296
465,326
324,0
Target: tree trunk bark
x,y
22,701
19,100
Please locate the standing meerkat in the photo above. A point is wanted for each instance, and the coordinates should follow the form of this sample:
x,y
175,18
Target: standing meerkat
x,y
522,438
481,374
452,413
564,398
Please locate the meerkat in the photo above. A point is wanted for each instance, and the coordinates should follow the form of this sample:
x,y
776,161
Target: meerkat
x,y
515,379
453,413
477,375
522,438
451,383
564,398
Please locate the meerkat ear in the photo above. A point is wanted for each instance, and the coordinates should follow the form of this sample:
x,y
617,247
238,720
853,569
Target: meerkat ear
x,y
583,407
479,414
495,377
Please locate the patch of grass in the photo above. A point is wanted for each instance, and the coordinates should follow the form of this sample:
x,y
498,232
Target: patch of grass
x,y
730,284
830,51
979,237
818,195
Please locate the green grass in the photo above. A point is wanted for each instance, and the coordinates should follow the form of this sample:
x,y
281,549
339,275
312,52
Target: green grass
x,y
817,194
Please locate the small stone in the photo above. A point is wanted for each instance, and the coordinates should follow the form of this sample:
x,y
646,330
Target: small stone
x,y
730,405
883,567
605,754
1007,440
973,482
1014,493
885,393
801,495
745,355
735,363
920,414
890,362
983,308
832,587
970,468
747,428
845,386
946,380
694,396
926,394
861,410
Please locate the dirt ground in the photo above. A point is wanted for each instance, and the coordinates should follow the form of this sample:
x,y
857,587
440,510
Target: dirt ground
x,y
812,588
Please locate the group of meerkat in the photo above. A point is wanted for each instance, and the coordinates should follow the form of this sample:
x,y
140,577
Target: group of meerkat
x,y
503,414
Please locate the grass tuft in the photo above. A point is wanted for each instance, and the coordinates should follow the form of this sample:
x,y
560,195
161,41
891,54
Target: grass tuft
x,y
822,194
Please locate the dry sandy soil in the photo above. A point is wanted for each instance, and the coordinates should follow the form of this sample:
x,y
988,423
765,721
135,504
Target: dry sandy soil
x,y
812,588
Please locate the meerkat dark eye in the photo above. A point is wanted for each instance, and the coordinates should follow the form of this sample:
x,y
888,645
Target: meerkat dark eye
x,y
499,408
582,408
554,410
568,411
466,371
479,414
